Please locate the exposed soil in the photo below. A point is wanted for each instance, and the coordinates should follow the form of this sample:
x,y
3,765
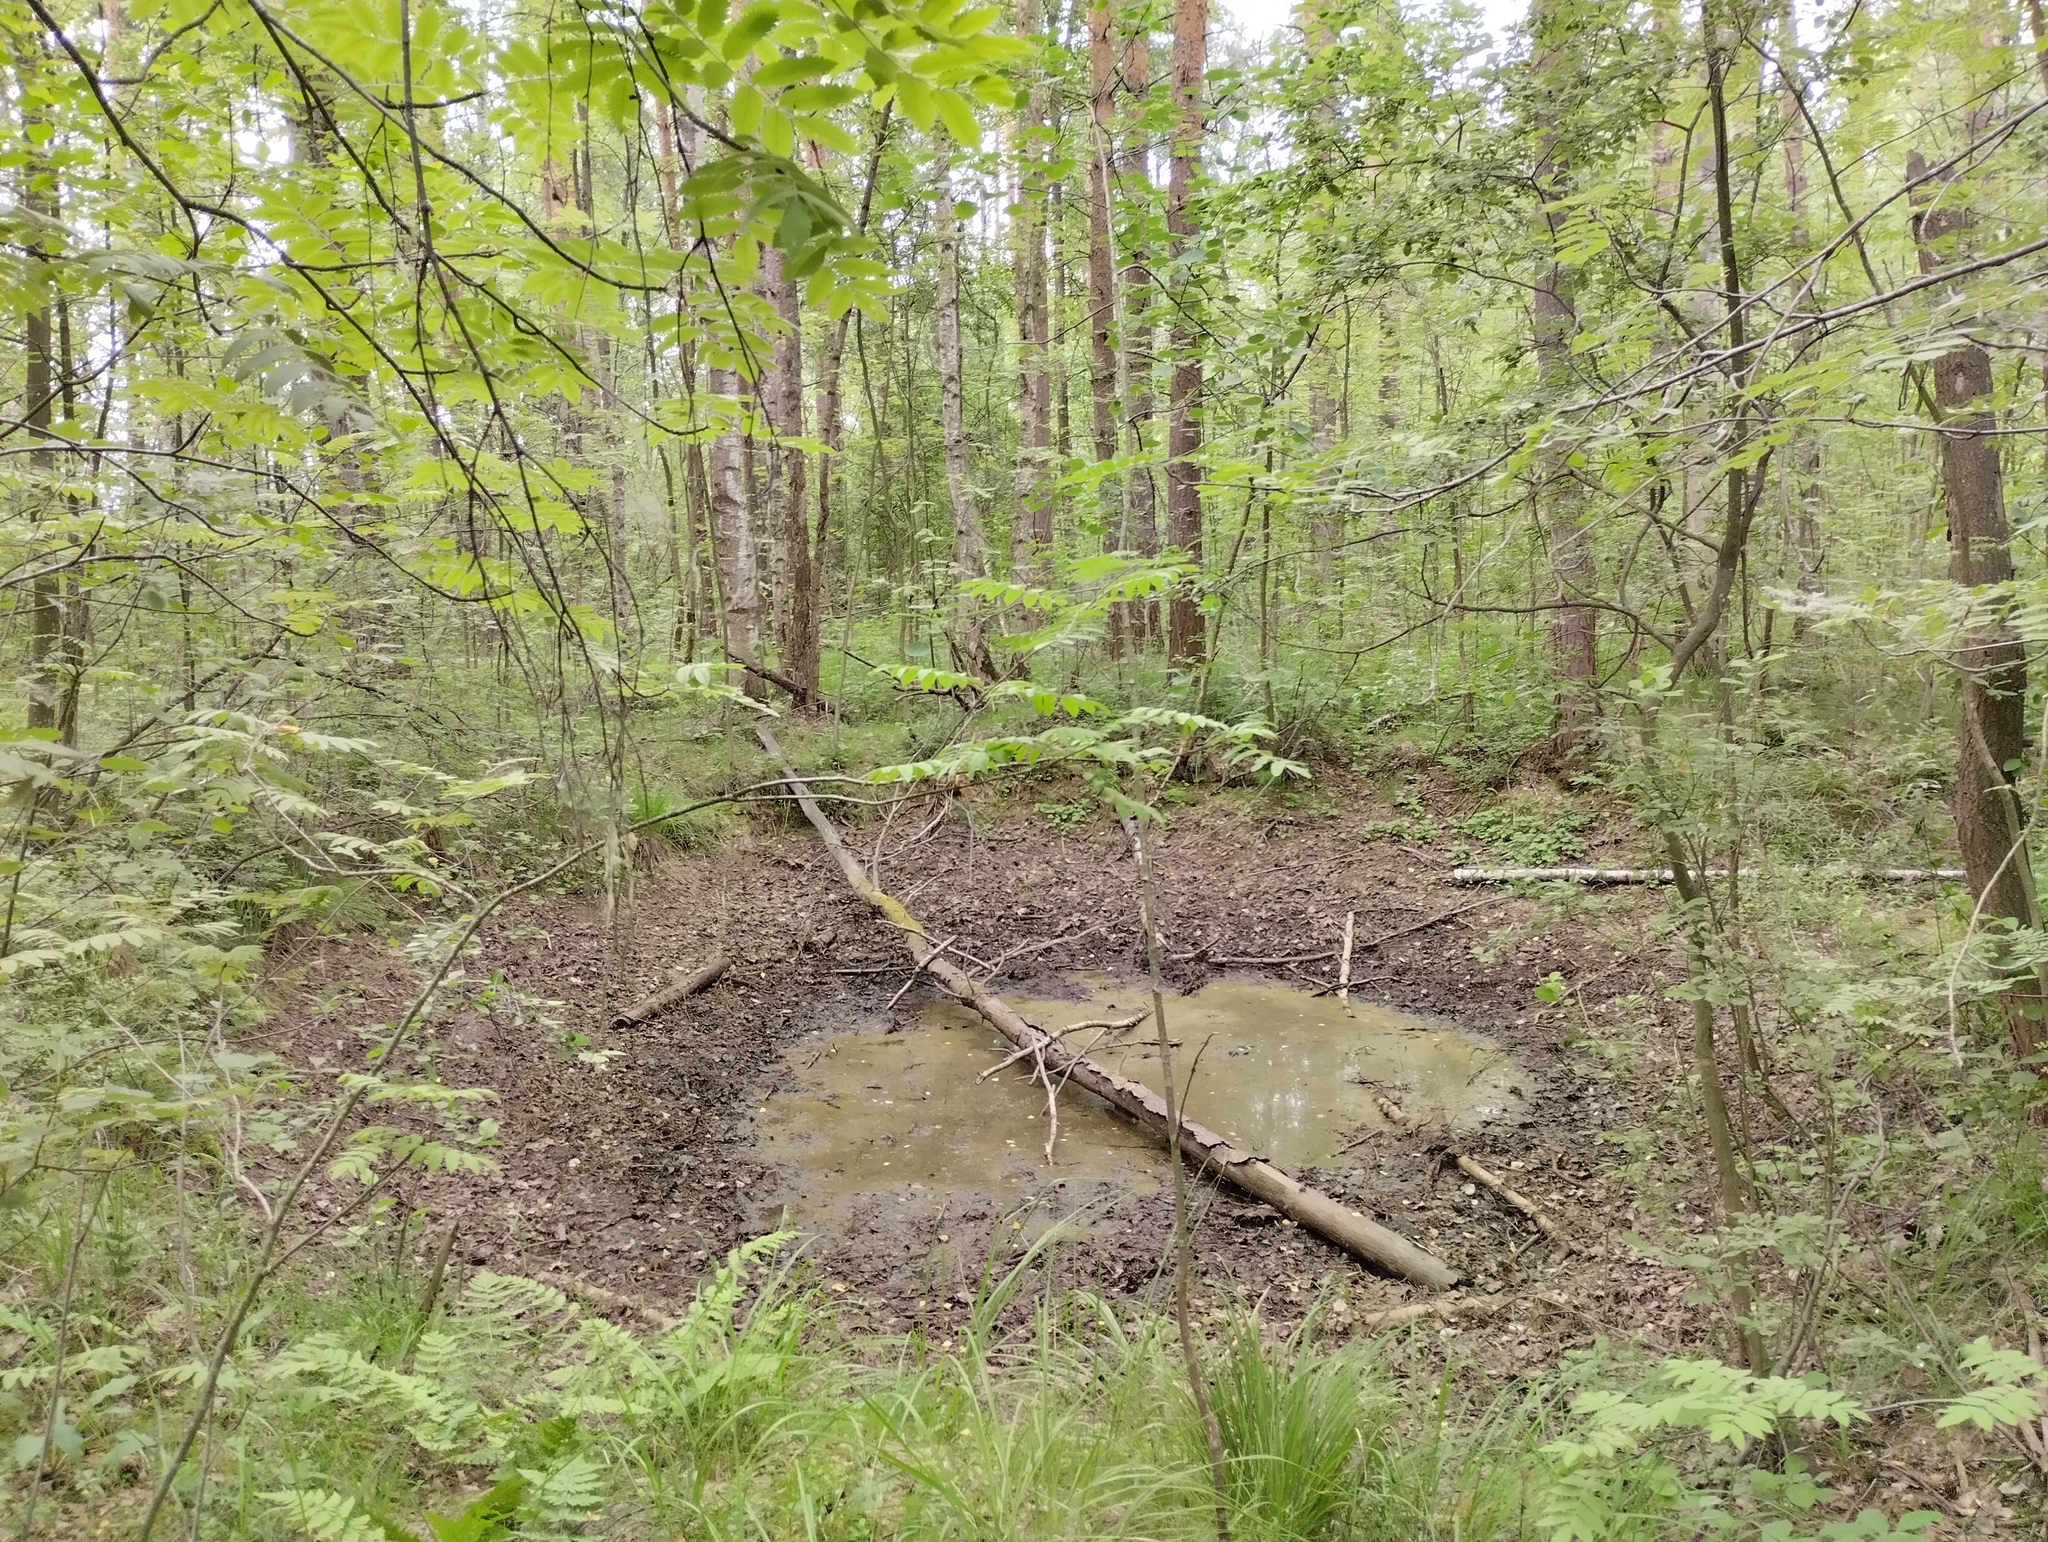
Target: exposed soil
x,y
633,1174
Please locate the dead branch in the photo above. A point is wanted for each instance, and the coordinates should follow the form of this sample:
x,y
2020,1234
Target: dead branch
x,y
1362,1238
1466,876
599,1299
1239,958
679,986
1424,925
1471,1168
1107,1023
1344,962
1487,1180
1442,1308
1025,949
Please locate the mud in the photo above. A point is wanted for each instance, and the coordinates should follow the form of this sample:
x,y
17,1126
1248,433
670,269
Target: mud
x,y
630,1158
1285,1074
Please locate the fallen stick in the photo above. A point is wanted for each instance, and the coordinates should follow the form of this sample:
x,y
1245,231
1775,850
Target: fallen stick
x,y
1472,1169
1025,949
1487,1180
1425,925
1344,964
915,973
1060,1033
679,987
602,1300
1241,958
1443,1309
1365,1240
1620,875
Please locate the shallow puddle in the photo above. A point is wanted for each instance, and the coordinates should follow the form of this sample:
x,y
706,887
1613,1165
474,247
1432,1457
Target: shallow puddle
x,y
1285,1075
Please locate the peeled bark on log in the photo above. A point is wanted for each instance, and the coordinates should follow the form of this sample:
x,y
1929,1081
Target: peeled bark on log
x,y
683,985
1365,1240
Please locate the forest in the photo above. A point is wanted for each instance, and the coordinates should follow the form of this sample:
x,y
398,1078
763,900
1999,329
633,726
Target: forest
x,y
888,768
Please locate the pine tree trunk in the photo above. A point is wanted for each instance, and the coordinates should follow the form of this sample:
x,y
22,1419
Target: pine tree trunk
x,y
1101,260
1185,641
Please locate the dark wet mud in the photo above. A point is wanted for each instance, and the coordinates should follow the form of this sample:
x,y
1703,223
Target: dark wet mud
x,y
1286,1074
692,1133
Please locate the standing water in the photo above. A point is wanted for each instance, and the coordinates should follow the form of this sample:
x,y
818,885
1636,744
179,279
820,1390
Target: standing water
x,y
1283,1074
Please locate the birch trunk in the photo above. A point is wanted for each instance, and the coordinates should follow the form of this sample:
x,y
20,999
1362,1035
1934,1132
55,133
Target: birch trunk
x,y
782,397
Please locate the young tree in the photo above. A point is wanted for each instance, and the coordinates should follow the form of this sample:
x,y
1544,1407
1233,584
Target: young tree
x,y
1185,642
1033,532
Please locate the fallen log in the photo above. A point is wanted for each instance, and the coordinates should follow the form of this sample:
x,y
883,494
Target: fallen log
x,y
1620,875
680,986
1365,1240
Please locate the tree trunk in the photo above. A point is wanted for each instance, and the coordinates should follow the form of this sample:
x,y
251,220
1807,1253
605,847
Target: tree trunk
x,y
967,552
782,396
732,538
1031,534
1573,637
1101,261
1141,496
1991,731
1185,641
47,690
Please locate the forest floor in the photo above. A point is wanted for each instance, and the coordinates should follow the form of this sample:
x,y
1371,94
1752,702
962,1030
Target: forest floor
x,y
631,1174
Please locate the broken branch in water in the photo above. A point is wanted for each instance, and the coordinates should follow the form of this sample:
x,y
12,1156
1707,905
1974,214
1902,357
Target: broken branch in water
x,y
680,986
914,973
1364,1239
1109,1023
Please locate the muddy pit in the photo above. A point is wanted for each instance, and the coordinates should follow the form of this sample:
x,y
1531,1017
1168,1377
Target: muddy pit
x,y
913,1116
700,1127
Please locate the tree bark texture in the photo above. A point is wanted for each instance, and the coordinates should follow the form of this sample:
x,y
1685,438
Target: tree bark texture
x,y
732,536
1101,260
1141,493
967,546
1185,642
1032,531
1991,731
782,398
1573,638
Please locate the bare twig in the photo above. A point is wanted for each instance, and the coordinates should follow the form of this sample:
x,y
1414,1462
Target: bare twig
x,y
1106,1023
